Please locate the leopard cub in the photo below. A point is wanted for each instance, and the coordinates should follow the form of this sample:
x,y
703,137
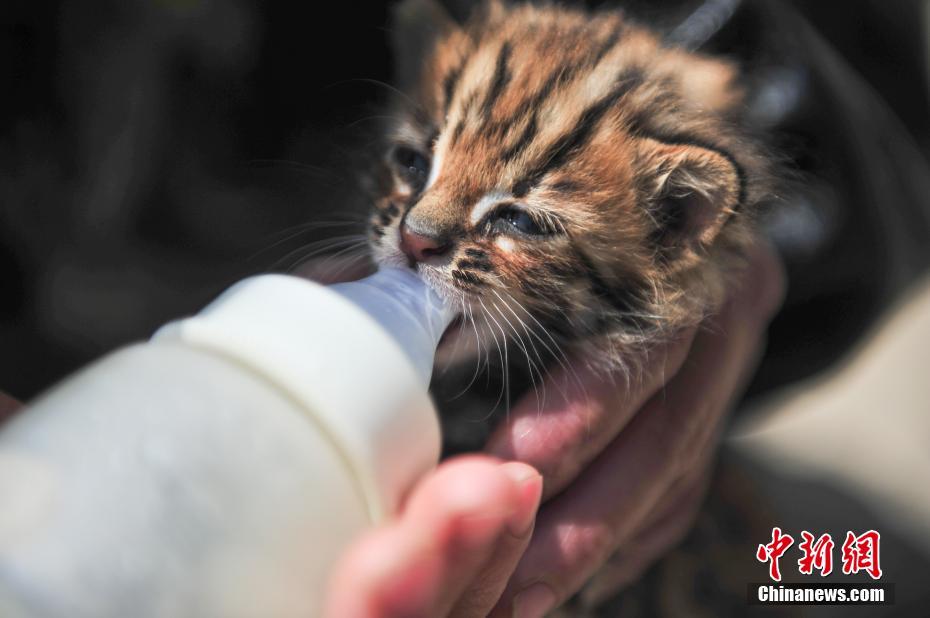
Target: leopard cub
x,y
564,178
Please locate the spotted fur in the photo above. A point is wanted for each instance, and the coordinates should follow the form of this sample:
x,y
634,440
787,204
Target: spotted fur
x,y
624,158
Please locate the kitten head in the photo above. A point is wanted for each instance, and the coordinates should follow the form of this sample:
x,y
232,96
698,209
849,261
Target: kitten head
x,y
551,168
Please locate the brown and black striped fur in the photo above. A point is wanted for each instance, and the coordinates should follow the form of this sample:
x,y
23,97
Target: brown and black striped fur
x,y
626,156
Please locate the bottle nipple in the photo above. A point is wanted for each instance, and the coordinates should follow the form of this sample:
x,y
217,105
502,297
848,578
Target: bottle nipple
x,y
408,309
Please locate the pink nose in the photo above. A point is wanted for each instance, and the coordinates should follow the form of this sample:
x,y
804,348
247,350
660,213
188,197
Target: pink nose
x,y
421,247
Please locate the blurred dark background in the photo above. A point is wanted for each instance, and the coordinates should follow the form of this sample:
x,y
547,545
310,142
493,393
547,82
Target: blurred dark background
x,y
154,151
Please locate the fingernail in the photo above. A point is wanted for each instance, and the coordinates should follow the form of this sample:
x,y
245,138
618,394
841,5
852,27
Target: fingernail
x,y
530,485
533,602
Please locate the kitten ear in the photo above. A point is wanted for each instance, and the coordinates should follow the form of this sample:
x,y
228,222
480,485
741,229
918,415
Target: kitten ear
x,y
693,190
416,26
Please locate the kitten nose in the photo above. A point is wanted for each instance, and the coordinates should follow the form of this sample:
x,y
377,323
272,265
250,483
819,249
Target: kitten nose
x,y
419,247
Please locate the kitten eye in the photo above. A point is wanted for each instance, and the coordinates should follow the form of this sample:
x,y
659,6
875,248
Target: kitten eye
x,y
521,221
413,165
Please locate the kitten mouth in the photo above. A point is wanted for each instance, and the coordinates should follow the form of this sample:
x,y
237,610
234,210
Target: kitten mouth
x,y
441,288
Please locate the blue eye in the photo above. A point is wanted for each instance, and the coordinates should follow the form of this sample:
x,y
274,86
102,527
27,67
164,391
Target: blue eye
x,y
520,221
413,166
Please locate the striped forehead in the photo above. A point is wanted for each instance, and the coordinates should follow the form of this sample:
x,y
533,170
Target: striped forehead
x,y
526,53
507,106
530,97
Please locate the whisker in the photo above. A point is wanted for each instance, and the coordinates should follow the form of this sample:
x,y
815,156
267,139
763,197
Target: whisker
x,y
522,345
302,254
295,165
502,352
393,117
468,315
367,80
454,353
348,263
559,355
332,256
295,231
523,325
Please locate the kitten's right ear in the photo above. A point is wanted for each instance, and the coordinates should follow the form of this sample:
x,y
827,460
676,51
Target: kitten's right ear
x,y
416,26
692,191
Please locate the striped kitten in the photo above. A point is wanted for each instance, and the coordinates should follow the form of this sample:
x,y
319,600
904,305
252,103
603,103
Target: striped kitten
x,y
563,177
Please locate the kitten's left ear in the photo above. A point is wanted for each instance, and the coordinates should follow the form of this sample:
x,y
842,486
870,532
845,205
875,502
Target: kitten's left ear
x,y
693,190
416,26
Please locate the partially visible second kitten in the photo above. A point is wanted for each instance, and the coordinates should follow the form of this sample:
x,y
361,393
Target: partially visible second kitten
x,y
564,178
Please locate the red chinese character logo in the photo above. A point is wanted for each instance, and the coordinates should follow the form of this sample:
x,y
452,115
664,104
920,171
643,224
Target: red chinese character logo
x,y
817,554
773,551
860,553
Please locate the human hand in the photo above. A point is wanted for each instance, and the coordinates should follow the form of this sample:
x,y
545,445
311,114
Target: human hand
x,y
625,467
450,551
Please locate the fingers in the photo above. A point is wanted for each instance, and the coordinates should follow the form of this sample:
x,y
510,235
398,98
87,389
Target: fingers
x,y
670,436
585,411
486,587
471,517
665,528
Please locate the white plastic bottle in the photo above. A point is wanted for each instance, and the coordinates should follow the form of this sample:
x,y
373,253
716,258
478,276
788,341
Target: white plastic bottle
x,y
218,470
